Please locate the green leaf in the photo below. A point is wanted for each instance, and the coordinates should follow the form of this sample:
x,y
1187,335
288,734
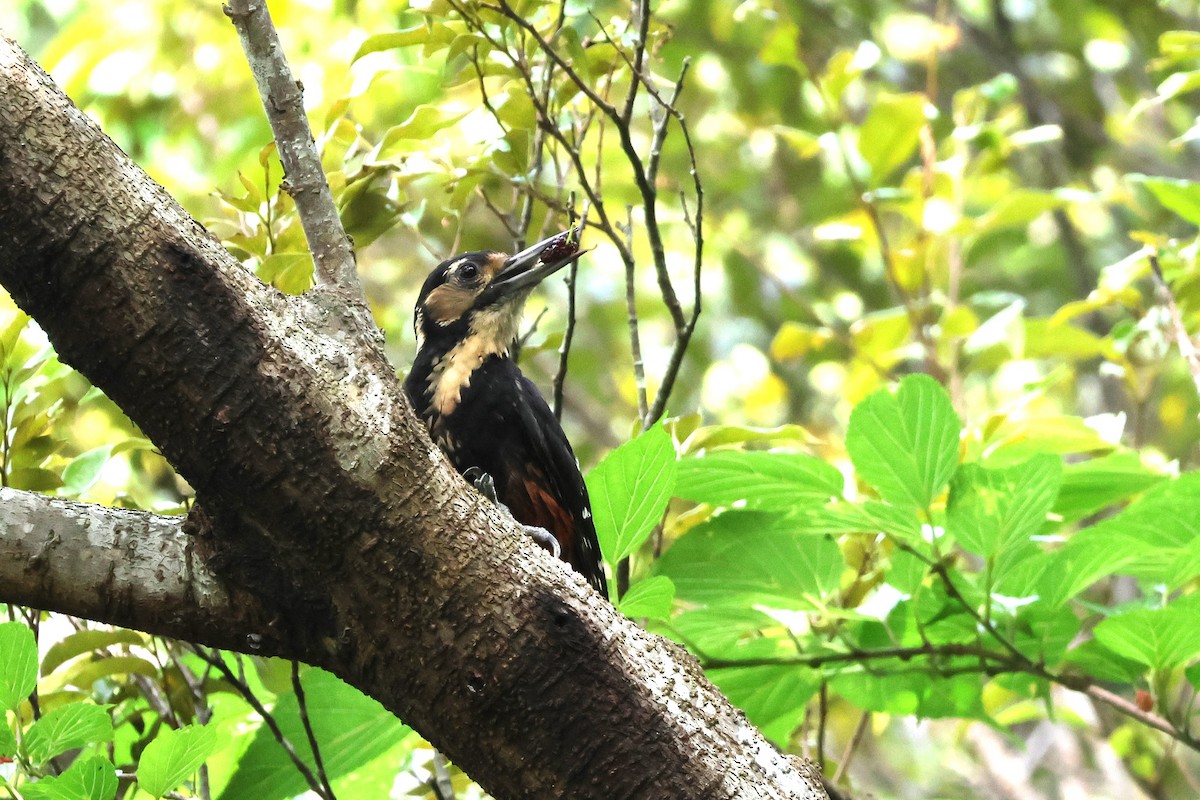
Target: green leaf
x,y
651,597
85,641
906,444
88,778
8,742
66,728
1092,485
18,664
869,516
1017,208
34,479
83,472
758,480
1177,195
174,756
764,559
991,510
630,489
890,133
424,121
418,34
1148,540
1161,638
85,672
351,729
775,698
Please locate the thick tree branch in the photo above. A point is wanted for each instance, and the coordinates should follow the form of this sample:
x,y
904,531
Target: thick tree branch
x,y
327,498
129,568
283,99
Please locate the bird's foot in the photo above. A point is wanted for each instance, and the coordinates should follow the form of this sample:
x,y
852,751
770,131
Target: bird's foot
x,y
545,538
483,483
486,486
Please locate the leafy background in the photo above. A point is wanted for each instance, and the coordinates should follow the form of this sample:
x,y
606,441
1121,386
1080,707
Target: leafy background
x,y
922,502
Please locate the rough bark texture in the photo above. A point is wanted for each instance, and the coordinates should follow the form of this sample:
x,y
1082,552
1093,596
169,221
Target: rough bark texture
x,y
323,495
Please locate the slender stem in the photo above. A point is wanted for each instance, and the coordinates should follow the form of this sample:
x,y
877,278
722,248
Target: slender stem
x,y
302,707
1186,348
214,659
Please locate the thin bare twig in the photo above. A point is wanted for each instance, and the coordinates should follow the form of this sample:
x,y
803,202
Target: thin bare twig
x,y
1186,348
214,659
302,708
851,747
283,100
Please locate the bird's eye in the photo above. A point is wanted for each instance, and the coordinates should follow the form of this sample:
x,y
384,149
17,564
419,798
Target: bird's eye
x,y
468,272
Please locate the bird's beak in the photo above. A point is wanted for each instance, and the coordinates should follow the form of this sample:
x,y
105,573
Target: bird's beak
x,y
532,265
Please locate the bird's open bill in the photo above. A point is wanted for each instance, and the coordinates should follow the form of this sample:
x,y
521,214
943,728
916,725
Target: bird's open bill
x,y
531,266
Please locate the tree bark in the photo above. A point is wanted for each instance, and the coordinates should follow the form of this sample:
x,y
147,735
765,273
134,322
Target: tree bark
x,y
324,500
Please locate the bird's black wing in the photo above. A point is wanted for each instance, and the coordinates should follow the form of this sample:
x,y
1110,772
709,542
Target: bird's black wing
x,y
553,490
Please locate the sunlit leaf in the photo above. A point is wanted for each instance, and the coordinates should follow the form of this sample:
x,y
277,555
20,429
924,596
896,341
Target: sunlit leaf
x,y
991,510
763,558
629,490
1161,638
1176,194
84,470
174,756
890,133
88,778
66,728
906,444
351,728
758,480
18,664
650,597
85,641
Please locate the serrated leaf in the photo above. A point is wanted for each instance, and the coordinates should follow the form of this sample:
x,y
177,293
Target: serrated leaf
x,y
174,756
350,728
780,481
775,698
869,516
1147,540
890,133
906,444
88,778
629,490
18,664
651,597
84,470
991,510
753,557
1161,638
1092,485
66,728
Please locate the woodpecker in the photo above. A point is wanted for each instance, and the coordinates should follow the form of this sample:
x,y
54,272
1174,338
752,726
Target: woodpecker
x,y
487,417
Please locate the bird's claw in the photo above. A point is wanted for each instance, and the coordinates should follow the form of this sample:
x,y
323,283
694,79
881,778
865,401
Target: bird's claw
x,y
483,483
486,486
545,538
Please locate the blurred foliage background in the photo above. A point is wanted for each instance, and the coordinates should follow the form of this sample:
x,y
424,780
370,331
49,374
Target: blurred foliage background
x,y
970,189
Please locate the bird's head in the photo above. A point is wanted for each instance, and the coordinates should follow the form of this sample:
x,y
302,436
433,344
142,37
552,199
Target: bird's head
x,y
481,295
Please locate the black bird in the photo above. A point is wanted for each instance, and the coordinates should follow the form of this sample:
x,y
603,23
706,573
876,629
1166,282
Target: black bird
x,y
488,418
